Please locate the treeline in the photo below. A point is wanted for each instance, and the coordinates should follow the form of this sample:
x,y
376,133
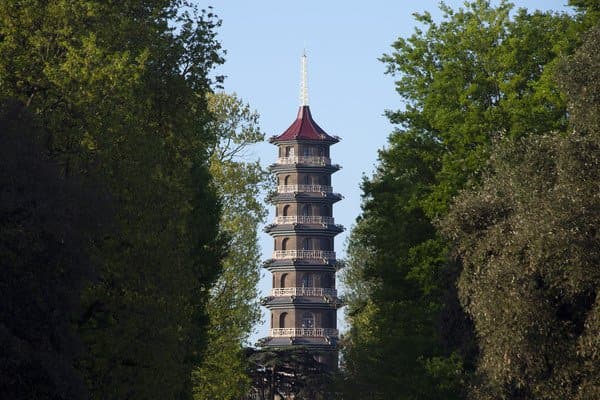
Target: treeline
x,y
129,213
473,268
128,254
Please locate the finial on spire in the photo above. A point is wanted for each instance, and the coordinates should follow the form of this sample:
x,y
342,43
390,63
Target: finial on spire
x,y
304,82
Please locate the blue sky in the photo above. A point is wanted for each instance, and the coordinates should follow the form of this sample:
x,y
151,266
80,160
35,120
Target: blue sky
x,y
348,88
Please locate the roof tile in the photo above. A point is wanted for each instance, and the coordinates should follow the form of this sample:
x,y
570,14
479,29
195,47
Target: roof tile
x,y
304,128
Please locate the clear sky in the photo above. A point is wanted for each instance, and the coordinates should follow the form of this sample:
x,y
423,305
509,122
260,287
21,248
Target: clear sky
x,y
348,88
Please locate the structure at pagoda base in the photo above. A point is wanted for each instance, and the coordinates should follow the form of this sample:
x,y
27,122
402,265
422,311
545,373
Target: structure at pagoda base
x,y
303,301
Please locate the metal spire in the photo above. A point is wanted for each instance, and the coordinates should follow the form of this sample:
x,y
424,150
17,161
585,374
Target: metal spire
x,y
304,82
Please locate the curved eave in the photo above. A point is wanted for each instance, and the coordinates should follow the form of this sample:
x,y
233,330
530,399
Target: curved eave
x,y
330,169
312,196
302,265
310,343
331,140
304,128
285,302
279,267
311,229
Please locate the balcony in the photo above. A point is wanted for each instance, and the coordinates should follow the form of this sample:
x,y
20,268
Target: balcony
x,y
303,291
306,332
303,219
305,254
308,160
304,188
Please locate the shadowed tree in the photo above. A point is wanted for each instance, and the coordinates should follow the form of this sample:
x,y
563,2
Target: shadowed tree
x,y
480,73
288,372
233,307
121,95
528,239
47,226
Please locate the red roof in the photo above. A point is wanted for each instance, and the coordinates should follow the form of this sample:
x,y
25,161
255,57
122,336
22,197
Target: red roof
x,y
304,128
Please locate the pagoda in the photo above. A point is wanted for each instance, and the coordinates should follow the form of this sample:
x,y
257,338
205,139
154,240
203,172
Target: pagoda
x,y
303,301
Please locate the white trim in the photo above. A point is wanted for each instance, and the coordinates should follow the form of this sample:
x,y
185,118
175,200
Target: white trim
x,y
306,332
304,188
303,219
303,291
309,254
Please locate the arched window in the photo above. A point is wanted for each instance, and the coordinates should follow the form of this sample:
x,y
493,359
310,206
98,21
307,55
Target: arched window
x,y
332,320
306,210
307,280
307,151
308,320
284,243
282,319
286,180
306,244
325,210
286,210
282,280
307,180
326,281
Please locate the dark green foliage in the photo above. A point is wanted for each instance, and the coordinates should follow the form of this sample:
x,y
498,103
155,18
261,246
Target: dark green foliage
x,y
579,77
394,343
477,76
46,225
589,10
121,97
530,245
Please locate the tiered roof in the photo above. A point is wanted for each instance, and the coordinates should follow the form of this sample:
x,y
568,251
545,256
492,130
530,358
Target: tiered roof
x,y
304,128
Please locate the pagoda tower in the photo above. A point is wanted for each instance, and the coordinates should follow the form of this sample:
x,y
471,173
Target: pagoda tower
x,y
303,302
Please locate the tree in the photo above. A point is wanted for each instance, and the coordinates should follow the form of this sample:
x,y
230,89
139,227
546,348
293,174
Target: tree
x,y
233,307
393,347
46,223
529,244
288,372
121,93
589,11
477,75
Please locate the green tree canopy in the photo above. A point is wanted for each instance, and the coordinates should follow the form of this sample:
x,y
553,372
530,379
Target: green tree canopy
x,y
480,74
233,307
476,75
528,239
120,90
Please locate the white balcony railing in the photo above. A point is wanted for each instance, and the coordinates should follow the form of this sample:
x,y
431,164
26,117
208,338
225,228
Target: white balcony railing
x,y
304,188
307,332
303,291
307,254
303,219
308,160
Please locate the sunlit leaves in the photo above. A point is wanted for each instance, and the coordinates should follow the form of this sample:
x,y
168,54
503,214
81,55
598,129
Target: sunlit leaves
x,y
233,306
